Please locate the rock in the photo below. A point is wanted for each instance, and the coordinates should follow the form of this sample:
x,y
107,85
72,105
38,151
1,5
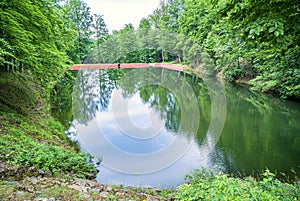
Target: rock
x,y
41,199
19,193
2,170
33,180
14,184
119,194
78,188
29,189
48,173
109,188
95,190
44,199
104,194
86,196
152,198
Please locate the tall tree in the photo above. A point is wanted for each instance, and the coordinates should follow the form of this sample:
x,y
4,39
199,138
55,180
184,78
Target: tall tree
x,y
101,32
80,19
34,38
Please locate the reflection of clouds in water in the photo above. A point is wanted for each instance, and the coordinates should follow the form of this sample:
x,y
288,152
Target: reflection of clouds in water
x,y
123,120
138,113
171,176
125,142
94,139
168,177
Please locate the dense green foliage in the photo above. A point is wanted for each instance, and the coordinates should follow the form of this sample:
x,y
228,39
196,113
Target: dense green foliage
x,y
43,38
255,41
204,185
11,86
17,148
34,39
252,40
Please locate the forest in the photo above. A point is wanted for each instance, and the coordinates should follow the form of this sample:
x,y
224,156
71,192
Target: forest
x,y
254,42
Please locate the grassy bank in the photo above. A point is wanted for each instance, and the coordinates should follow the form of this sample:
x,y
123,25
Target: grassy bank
x,y
30,136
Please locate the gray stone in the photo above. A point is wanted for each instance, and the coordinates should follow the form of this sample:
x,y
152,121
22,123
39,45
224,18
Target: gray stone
x,y
44,199
14,184
151,198
41,199
103,194
48,173
20,193
33,180
86,196
95,190
78,188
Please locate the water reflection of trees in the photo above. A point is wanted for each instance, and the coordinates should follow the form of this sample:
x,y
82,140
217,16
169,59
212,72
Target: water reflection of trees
x,y
92,92
164,102
156,88
261,132
61,99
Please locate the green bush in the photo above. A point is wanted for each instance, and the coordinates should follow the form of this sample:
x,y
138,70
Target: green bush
x,y
204,185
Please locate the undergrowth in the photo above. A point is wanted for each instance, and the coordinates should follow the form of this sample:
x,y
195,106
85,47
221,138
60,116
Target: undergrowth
x,y
30,136
204,185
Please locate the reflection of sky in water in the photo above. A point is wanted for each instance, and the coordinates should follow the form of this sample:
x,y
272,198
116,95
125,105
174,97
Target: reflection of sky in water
x,y
102,132
168,177
139,114
172,175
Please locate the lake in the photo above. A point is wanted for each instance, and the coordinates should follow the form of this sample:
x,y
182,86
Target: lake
x,y
153,126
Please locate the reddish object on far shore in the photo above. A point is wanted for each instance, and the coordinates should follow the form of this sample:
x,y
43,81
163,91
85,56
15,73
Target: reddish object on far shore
x,y
133,65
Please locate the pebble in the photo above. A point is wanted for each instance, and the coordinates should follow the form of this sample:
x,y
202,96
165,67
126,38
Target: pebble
x,y
33,180
78,188
103,194
109,188
20,193
95,190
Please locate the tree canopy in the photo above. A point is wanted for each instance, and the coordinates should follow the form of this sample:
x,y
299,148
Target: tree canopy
x,y
43,38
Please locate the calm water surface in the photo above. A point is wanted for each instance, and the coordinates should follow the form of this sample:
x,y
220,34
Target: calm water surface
x,y
148,136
